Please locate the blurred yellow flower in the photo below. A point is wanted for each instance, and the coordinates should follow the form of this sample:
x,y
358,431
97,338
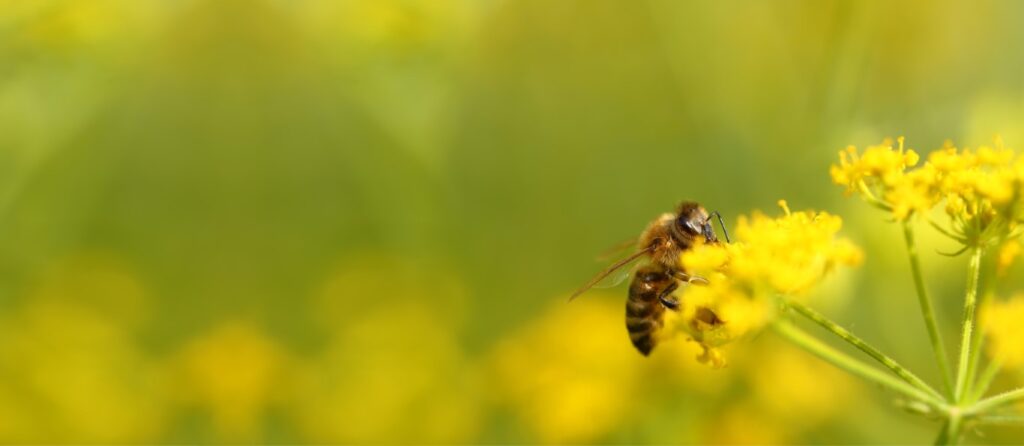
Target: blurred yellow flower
x,y
393,369
572,375
233,372
744,424
65,23
1001,321
770,256
1008,253
797,389
72,369
376,382
787,393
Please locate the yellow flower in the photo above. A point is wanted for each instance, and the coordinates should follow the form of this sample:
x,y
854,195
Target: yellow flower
x,y
392,370
396,375
1001,322
73,374
913,192
982,188
571,376
880,162
233,372
1008,252
73,368
787,255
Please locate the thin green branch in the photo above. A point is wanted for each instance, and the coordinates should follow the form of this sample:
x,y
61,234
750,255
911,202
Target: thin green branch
x,y
985,380
972,366
976,349
943,438
946,232
938,347
987,404
871,199
1005,420
863,346
952,430
856,367
973,271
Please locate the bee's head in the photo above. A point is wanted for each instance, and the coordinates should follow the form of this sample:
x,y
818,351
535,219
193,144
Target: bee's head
x,y
692,221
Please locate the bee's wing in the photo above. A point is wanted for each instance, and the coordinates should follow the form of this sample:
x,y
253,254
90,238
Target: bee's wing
x,y
608,271
617,249
617,277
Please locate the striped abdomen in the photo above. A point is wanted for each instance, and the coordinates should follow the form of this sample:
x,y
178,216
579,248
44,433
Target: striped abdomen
x,y
651,286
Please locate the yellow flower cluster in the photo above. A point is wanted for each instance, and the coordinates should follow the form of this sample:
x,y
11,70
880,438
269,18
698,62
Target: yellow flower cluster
x,y
879,163
981,188
770,257
1001,322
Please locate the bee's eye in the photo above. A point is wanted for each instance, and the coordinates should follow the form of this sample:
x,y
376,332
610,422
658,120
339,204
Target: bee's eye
x,y
689,225
709,233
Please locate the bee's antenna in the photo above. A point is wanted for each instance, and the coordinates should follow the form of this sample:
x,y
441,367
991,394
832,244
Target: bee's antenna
x,y
722,224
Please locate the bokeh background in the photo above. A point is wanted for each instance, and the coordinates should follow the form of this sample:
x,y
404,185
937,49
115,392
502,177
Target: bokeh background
x,y
317,221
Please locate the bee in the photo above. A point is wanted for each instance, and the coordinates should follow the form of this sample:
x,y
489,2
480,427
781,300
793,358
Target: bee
x,y
650,292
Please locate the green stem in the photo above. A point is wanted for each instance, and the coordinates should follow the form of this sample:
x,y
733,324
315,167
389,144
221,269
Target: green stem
x,y
871,199
945,232
985,405
973,271
976,348
938,347
846,362
952,430
972,366
1006,420
985,381
877,355
943,438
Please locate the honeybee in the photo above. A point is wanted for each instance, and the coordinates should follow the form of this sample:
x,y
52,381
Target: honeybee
x,y
650,292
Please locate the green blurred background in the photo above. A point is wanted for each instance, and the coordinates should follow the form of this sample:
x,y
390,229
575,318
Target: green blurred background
x,y
357,221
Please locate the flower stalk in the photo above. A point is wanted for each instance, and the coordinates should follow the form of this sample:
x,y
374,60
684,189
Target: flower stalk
x,y
863,346
967,331
985,380
995,402
938,347
854,366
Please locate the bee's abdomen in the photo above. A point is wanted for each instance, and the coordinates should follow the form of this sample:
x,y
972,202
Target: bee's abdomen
x,y
644,311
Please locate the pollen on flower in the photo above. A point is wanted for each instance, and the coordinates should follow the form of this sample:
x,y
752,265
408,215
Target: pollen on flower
x,y
785,206
771,256
1001,322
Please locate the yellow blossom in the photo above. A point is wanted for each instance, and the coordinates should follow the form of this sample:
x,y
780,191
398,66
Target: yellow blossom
x,y
1008,252
877,162
1001,322
406,388
571,376
771,256
232,372
73,368
981,188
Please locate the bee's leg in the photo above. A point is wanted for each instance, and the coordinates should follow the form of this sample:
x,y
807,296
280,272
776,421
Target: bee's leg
x,y
667,299
689,279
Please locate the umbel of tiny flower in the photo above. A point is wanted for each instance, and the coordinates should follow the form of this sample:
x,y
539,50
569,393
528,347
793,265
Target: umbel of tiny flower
x,y
771,256
981,188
